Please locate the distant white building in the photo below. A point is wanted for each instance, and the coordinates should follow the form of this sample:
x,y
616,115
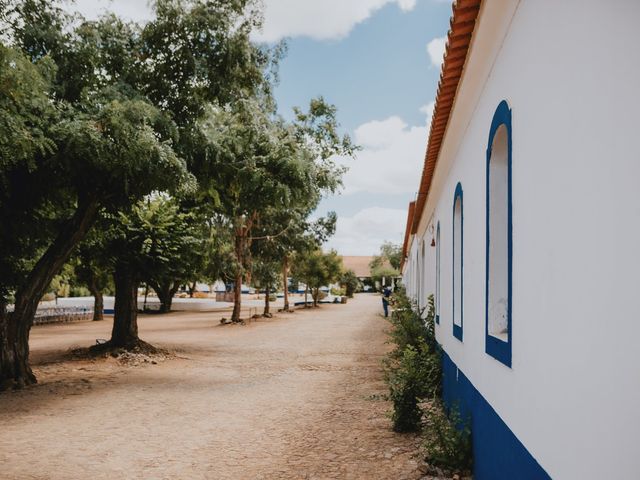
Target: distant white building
x,y
526,229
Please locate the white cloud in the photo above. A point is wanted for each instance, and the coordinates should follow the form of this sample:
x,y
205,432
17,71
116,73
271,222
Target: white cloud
x,y
435,49
363,233
428,110
407,5
380,134
136,10
391,158
319,19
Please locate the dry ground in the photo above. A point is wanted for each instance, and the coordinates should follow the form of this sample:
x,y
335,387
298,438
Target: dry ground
x,y
294,397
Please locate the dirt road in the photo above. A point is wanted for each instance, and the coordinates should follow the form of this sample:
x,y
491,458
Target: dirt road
x,y
294,397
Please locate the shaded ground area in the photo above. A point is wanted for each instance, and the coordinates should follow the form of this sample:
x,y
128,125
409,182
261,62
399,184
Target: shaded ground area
x,y
295,397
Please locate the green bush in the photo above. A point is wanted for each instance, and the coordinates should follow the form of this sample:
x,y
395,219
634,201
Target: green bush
x,y
447,438
407,325
413,368
411,378
338,292
350,282
79,291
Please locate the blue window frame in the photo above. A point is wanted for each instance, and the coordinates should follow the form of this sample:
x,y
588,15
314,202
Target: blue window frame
x,y
438,273
458,263
499,242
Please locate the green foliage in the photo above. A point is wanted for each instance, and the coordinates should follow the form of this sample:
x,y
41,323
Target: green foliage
x,y
266,274
413,368
447,438
219,260
350,282
339,292
412,377
104,111
67,283
159,239
93,264
408,326
388,261
165,133
25,110
377,274
317,269
195,52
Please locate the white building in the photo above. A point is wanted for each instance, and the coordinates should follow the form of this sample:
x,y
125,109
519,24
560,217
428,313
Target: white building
x,y
526,228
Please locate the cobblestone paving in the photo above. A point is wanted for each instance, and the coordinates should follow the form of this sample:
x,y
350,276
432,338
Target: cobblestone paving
x,y
299,396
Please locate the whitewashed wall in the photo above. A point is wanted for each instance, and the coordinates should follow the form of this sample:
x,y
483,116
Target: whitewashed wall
x,y
570,71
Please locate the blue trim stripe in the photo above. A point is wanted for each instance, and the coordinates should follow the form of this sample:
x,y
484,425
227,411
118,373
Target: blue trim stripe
x,y
499,349
497,452
458,329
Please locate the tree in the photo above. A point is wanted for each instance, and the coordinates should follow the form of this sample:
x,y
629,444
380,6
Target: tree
x,y
173,246
387,264
390,253
100,154
100,141
296,235
265,276
316,133
317,269
350,282
92,267
191,53
386,272
260,166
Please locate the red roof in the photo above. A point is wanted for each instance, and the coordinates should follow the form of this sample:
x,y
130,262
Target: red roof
x,y
462,24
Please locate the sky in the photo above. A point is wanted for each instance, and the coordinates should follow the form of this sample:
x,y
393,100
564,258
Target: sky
x,y
379,62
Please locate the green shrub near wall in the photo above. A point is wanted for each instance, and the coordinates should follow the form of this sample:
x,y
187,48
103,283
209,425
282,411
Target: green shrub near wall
x,y
413,370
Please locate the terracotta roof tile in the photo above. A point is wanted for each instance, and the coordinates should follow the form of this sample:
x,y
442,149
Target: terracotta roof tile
x,y
462,24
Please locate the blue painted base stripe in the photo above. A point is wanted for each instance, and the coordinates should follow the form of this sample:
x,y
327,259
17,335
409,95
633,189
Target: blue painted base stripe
x,y
498,454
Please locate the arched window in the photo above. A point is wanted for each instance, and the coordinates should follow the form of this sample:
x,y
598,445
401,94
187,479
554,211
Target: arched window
x,y
499,237
438,273
458,263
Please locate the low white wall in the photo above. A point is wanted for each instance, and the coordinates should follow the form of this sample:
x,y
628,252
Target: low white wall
x,y
186,304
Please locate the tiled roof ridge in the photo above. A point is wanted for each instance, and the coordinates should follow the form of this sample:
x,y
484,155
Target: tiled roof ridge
x,y
462,24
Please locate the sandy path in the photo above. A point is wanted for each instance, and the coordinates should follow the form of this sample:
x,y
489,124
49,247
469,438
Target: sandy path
x,y
295,397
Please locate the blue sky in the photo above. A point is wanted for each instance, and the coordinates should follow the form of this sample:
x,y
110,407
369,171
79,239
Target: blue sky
x,y
378,61
379,72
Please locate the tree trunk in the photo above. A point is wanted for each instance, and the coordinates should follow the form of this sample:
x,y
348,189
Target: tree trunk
x,y
98,300
237,298
125,321
315,293
165,292
98,306
240,248
285,277
266,302
192,289
14,358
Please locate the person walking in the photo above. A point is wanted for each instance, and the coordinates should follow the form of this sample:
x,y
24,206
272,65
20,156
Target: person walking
x,y
386,296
